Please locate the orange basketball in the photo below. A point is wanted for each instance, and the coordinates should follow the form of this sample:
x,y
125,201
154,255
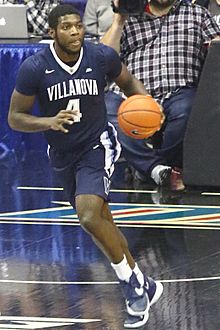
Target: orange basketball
x,y
140,116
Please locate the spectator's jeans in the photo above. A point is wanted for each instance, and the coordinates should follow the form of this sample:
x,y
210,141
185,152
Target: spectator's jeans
x,y
141,156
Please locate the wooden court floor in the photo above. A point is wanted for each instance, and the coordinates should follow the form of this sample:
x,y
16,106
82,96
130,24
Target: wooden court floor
x,y
52,276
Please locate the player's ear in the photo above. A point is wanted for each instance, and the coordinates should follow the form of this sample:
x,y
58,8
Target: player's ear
x,y
51,33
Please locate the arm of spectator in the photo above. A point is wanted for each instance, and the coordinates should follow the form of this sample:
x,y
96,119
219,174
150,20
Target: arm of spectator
x,y
113,35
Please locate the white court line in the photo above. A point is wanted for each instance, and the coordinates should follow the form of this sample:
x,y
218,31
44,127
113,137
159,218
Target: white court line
x,y
198,279
38,188
112,190
171,226
47,319
175,206
211,193
134,191
127,225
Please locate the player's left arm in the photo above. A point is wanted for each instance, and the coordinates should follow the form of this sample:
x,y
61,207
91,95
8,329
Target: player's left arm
x,y
129,84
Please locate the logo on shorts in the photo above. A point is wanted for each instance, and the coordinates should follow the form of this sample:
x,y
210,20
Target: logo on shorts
x,y
107,184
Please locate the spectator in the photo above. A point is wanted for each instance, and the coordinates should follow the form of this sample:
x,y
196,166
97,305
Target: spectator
x,y
165,48
37,13
214,8
98,17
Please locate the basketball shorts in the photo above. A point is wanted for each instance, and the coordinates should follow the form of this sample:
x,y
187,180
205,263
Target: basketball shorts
x,y
88,172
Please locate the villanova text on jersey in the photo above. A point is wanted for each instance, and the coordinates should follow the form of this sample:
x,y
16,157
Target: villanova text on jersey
x,y
71,88
80,87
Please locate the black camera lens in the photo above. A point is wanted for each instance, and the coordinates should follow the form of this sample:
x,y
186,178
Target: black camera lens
x,y
134,7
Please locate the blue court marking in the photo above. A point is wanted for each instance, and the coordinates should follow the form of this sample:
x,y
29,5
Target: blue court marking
x,y
126,213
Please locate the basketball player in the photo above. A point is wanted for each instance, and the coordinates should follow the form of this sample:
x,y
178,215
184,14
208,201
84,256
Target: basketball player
x,y
68,78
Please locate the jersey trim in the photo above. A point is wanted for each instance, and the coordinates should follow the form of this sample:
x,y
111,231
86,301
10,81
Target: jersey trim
x,y
67,68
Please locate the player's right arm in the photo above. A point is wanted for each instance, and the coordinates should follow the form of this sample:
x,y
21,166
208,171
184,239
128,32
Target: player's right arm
x,y
20,116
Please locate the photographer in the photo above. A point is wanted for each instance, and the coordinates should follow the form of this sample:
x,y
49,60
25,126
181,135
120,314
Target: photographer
x,y
165,48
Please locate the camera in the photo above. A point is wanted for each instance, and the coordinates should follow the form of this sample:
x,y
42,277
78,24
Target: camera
x,y
130,7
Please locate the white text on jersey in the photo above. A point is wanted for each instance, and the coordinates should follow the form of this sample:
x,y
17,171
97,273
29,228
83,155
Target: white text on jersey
x,y
72,87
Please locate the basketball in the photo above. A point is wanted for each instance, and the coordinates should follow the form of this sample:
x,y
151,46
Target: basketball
x,y
140,116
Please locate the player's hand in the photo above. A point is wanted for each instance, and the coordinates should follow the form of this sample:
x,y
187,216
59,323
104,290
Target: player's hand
x,y
64,117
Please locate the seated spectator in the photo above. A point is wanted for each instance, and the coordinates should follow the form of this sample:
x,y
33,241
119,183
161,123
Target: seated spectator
x,y
165,49
38,10
98,17
37,13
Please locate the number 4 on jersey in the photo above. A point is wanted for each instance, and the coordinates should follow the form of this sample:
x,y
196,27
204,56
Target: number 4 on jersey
x,y
74,105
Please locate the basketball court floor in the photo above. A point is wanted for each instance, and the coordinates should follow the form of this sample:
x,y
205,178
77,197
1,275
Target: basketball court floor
x,y
52,276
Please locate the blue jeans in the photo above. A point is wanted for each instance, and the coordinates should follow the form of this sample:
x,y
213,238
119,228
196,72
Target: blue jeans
x,y
169,151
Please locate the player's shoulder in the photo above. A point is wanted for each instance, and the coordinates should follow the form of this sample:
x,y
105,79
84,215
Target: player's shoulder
x,y
99,49
105,59
37,60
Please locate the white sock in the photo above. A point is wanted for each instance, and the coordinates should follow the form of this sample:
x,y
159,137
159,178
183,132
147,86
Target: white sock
x,y
156,171
123,270
139,274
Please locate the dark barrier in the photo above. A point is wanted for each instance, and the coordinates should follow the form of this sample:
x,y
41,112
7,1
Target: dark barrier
x,y
11,57
201,165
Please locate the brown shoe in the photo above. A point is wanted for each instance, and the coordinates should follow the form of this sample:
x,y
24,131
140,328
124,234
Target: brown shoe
x,y
176,180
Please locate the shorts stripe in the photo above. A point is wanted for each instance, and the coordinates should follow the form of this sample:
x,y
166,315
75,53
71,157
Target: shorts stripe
x,y
112,148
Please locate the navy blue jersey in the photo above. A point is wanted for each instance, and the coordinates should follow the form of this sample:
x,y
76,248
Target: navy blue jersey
x,y
81,87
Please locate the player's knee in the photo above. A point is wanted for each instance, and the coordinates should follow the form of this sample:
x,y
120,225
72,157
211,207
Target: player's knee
x,y
88,222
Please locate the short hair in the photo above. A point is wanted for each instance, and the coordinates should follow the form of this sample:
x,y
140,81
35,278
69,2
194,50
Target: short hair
x,y
58,11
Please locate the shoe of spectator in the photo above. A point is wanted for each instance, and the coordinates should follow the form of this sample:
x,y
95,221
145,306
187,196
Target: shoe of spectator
x,y
164,176
176,180
171,177
154,291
